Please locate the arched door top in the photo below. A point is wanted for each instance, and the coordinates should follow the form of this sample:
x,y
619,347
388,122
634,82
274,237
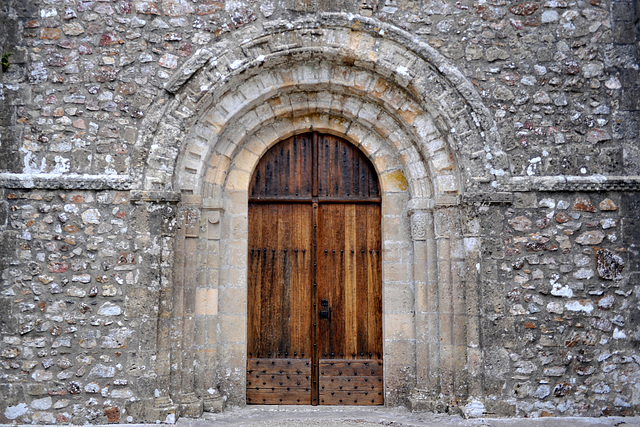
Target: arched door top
x,y
314,165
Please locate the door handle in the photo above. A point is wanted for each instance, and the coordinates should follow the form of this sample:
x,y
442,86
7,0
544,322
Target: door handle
x,y
326,314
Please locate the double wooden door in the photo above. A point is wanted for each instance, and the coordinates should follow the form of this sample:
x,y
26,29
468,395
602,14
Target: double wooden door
x,y
314,300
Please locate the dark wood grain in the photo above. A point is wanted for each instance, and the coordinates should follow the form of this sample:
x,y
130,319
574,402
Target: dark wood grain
x,y
363,367
344,171
277,365
351,383
284,170
314,218
280,280
349,267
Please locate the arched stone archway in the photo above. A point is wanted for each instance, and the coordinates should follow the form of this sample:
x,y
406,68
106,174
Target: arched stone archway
x,y
429,139
238,76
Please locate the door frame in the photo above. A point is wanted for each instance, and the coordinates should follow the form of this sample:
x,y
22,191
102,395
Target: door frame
x,y
424,321
398,305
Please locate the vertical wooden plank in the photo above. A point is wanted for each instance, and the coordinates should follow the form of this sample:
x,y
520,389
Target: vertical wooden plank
x,y
305,169
308,280
285,220
344,169
301,282
295,180
335,170
362,297
325,275
314,270
254,275
322,277
269,284
295,302
339,324
324,153
374,242
350,296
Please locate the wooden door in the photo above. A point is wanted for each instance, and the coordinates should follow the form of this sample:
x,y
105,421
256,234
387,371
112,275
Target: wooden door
x,y
314,301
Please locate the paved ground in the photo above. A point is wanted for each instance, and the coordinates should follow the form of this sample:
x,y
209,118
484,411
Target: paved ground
x,y
307,416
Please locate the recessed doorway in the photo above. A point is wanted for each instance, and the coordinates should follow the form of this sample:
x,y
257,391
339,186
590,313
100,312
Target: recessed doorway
x,y
314,282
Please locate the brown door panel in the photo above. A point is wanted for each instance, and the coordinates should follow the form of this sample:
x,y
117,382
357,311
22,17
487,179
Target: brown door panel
x,y
314,279
280,281
349,280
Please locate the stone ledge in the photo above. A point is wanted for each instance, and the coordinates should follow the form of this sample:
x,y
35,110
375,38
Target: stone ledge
x,y
572,183
155,196
489,198
65,182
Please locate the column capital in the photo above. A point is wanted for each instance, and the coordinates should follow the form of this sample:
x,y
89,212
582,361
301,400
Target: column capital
x,y
189,220
420,220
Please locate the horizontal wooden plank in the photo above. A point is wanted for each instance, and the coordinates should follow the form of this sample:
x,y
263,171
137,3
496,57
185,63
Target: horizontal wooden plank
x,y
304,199
279,366
351,398
278,397
342,367
278,380
301,388
351,383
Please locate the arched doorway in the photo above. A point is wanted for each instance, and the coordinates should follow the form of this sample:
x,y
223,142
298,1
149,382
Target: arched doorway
x,y
314,279
406,129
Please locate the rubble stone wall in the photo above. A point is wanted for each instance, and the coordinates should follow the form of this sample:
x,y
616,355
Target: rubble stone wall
x,y
507,131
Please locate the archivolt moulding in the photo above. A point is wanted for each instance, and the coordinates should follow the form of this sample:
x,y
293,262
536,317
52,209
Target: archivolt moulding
x,y
407,65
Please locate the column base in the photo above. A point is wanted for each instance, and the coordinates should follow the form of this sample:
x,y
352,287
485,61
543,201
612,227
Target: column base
x,y
189,405
162,410
474,409
422,400
214,402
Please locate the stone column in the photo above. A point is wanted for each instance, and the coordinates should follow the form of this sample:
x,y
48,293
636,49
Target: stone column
x,y
424,396
452,305
162,208
441,311
459,312
207,301
182,356
445,308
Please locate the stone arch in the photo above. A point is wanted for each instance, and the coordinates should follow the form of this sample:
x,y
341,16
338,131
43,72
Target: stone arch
x,y
360,126
214,73
425,131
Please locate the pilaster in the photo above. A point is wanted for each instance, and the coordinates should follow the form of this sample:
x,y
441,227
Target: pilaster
x,y
162,408
184,294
